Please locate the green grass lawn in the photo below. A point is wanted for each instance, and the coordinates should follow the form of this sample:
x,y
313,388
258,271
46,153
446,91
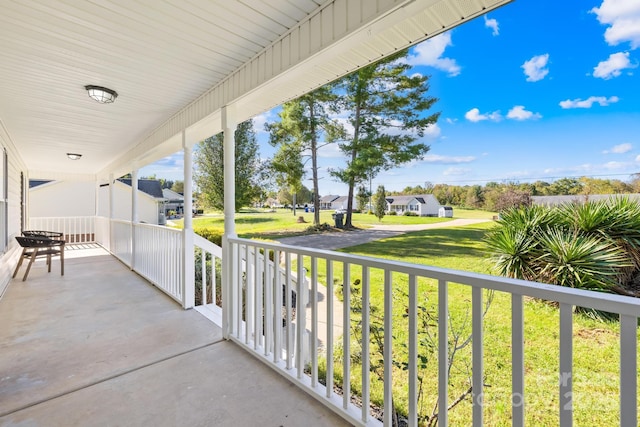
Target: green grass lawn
x,y
596,345
261,224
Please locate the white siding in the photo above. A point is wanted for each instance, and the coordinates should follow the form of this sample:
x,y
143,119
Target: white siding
x,y
9,256
63,199
147,205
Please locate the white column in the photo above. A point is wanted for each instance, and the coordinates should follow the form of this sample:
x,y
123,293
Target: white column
x,y
188,278
111,209
229,129
134,215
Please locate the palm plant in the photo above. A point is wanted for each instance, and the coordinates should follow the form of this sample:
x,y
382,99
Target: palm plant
x,y
595,245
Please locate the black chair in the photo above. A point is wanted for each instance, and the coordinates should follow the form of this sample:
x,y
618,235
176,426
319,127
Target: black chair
x,y
42,233
39,246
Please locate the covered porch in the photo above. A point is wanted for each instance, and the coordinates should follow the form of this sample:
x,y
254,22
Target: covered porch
x,y
102,346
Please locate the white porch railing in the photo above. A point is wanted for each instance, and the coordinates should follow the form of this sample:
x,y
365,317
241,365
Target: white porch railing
x,y
158,258
255,307
77,229
208,282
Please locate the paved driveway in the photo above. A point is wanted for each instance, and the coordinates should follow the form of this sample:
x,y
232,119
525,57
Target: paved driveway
x,y
345,239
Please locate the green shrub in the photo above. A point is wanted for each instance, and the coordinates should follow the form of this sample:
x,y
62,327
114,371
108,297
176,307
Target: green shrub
x,y
393,213
214,235
409,213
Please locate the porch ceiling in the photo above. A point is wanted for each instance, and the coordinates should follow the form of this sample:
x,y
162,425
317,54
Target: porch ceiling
x,y
175,63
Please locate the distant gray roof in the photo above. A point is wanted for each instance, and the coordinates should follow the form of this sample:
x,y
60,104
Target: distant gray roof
x,y
579,198
149,186
37,182
328,198
405,200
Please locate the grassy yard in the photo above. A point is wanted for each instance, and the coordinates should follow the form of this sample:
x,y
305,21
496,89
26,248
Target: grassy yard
x,y
261,224
596,346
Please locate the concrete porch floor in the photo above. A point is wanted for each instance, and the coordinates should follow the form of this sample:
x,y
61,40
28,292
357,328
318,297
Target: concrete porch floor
x,y
102,347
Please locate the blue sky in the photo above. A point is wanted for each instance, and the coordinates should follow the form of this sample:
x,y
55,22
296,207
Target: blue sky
x,y
538,89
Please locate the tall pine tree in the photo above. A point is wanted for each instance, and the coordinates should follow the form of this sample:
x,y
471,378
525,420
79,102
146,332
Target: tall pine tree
x,y
304,127
387,110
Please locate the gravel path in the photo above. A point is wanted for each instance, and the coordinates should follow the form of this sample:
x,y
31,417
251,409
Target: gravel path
x,y
338,240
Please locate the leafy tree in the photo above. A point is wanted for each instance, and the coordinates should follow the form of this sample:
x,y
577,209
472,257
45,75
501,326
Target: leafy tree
x,y
380,203
512,198
303,123
209,171
475,197
386,110
363,198
177,186
289,169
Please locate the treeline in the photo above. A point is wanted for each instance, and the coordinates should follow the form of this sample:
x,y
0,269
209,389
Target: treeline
x,y
495,196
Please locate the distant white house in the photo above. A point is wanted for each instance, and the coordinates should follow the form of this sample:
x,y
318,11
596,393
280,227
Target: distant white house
x,y
174,202
421,205
341,203
327,201
150,201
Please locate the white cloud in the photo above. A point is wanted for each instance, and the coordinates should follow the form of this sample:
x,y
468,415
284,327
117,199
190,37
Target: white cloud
x,y
603,101
430,52
638,158
447,160
535,68
615,165
451,121
432,131
456,171
623,20
612,66
619,149
493,24
519,113
474,115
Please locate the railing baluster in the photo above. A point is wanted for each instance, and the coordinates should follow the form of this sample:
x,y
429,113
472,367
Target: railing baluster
x,y
413,351
478,356
268,304
443,353
237,289
289,337
346,336
388,348
300,317
329,344
203,275
566,365
628,370
257,298
249,310
314,322
365,343
517,360
277,308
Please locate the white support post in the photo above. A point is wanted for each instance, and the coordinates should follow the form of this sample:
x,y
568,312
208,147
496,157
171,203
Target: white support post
x,y
229,148
134,215
111,209
188,271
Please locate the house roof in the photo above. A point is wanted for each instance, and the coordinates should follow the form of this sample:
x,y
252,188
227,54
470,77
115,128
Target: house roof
x,y
175,65
328,198
172,195
405,200
148,186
